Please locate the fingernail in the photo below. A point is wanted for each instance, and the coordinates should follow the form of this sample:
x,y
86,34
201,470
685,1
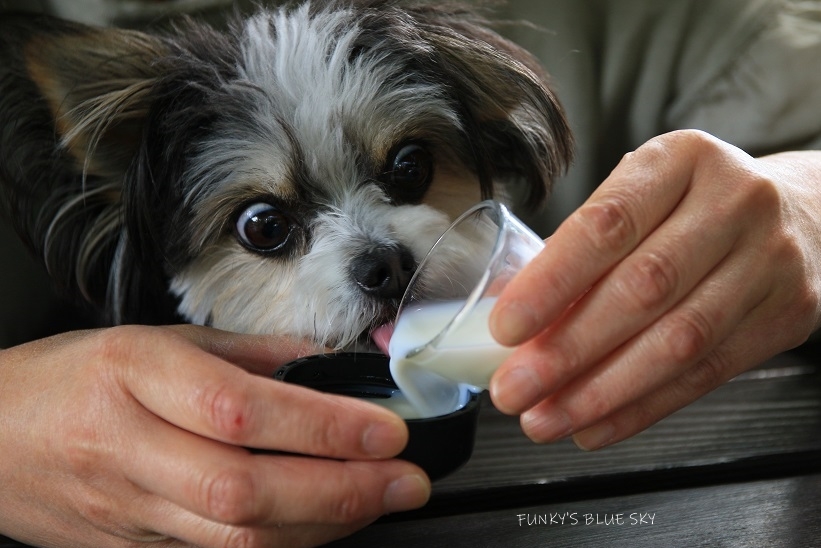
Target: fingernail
x,y
406,493
513,324
516,390
385,439
595,437
545,426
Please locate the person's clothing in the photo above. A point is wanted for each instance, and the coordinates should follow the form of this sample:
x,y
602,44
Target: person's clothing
x,y
746,71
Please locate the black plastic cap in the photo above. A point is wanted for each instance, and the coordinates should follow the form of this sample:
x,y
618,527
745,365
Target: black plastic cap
x,y
438,445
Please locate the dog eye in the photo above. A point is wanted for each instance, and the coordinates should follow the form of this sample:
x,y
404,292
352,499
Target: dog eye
x,y
409,172
262,227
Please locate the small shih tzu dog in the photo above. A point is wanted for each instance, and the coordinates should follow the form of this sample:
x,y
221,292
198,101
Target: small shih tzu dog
x,y
284,177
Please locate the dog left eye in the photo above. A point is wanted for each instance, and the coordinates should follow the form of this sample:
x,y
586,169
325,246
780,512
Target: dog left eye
x,y
409,171
262,227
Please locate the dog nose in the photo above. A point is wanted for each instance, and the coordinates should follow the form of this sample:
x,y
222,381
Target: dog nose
x,y
384,271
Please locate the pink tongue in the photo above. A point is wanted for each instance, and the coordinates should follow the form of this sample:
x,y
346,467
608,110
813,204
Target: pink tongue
x,y
382,336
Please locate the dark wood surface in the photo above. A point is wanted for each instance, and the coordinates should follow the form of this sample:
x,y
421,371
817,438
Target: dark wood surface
x,y
754,514
739,468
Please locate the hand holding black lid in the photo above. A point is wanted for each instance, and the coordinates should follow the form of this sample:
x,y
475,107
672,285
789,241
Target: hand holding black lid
x,y
150,424
439,445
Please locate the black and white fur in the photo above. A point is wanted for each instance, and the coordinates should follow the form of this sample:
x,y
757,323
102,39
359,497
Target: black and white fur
x,y
285,176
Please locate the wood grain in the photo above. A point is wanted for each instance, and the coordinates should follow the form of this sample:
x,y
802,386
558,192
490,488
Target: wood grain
x,y
780,513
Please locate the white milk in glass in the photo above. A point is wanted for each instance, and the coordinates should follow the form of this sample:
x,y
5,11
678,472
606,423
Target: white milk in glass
x,y
437,379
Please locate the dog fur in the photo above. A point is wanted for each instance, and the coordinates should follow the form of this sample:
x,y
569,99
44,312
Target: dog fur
x,y
345,134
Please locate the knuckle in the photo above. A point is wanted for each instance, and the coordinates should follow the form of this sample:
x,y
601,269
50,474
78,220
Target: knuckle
x,y
652,278
558,362
688,334
599,406
349,507
783,249
697,137
86,452
609,223
228,496
242,537
644,416
760,194
802,316
692,139
794,290
324,433
661,148
705,376
804,299
806,309
83,456
228,410
94,508
117,345
599,401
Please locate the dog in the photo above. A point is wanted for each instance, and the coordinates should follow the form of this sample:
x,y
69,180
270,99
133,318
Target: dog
x,y
282,176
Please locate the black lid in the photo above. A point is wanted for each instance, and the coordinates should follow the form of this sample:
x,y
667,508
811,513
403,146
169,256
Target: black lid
x,y
438,445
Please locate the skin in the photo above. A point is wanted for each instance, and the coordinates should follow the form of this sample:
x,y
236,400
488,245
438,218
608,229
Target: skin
x,y
691,263
136,436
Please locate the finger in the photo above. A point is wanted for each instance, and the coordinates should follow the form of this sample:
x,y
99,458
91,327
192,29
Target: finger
x,y
718,367
259,354
228,485
628,205
642,287
172,521
677,341
201,393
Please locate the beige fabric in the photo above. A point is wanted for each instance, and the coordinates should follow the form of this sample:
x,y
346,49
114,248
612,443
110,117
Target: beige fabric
x,y
747,71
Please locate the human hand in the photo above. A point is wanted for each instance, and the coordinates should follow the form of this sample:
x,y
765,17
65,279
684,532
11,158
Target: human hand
x,y
136,435
691,263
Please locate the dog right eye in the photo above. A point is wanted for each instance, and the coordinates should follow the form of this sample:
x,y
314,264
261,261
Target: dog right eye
x,y
263,228
408,172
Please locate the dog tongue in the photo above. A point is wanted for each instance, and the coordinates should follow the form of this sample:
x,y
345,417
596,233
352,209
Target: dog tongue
x,y
382,337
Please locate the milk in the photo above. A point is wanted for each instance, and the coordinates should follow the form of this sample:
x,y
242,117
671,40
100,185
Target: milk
x,y
399,404
437,379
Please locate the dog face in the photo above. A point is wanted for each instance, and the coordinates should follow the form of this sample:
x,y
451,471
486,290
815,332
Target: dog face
x,y
285,176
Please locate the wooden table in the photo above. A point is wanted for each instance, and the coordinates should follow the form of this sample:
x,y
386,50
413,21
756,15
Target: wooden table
x,y
739,468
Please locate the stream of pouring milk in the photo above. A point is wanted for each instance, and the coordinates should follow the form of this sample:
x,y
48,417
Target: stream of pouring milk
x,y
437,381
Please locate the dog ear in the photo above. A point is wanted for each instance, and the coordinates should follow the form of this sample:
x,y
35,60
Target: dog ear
x,y
97,83
73,100
518,129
